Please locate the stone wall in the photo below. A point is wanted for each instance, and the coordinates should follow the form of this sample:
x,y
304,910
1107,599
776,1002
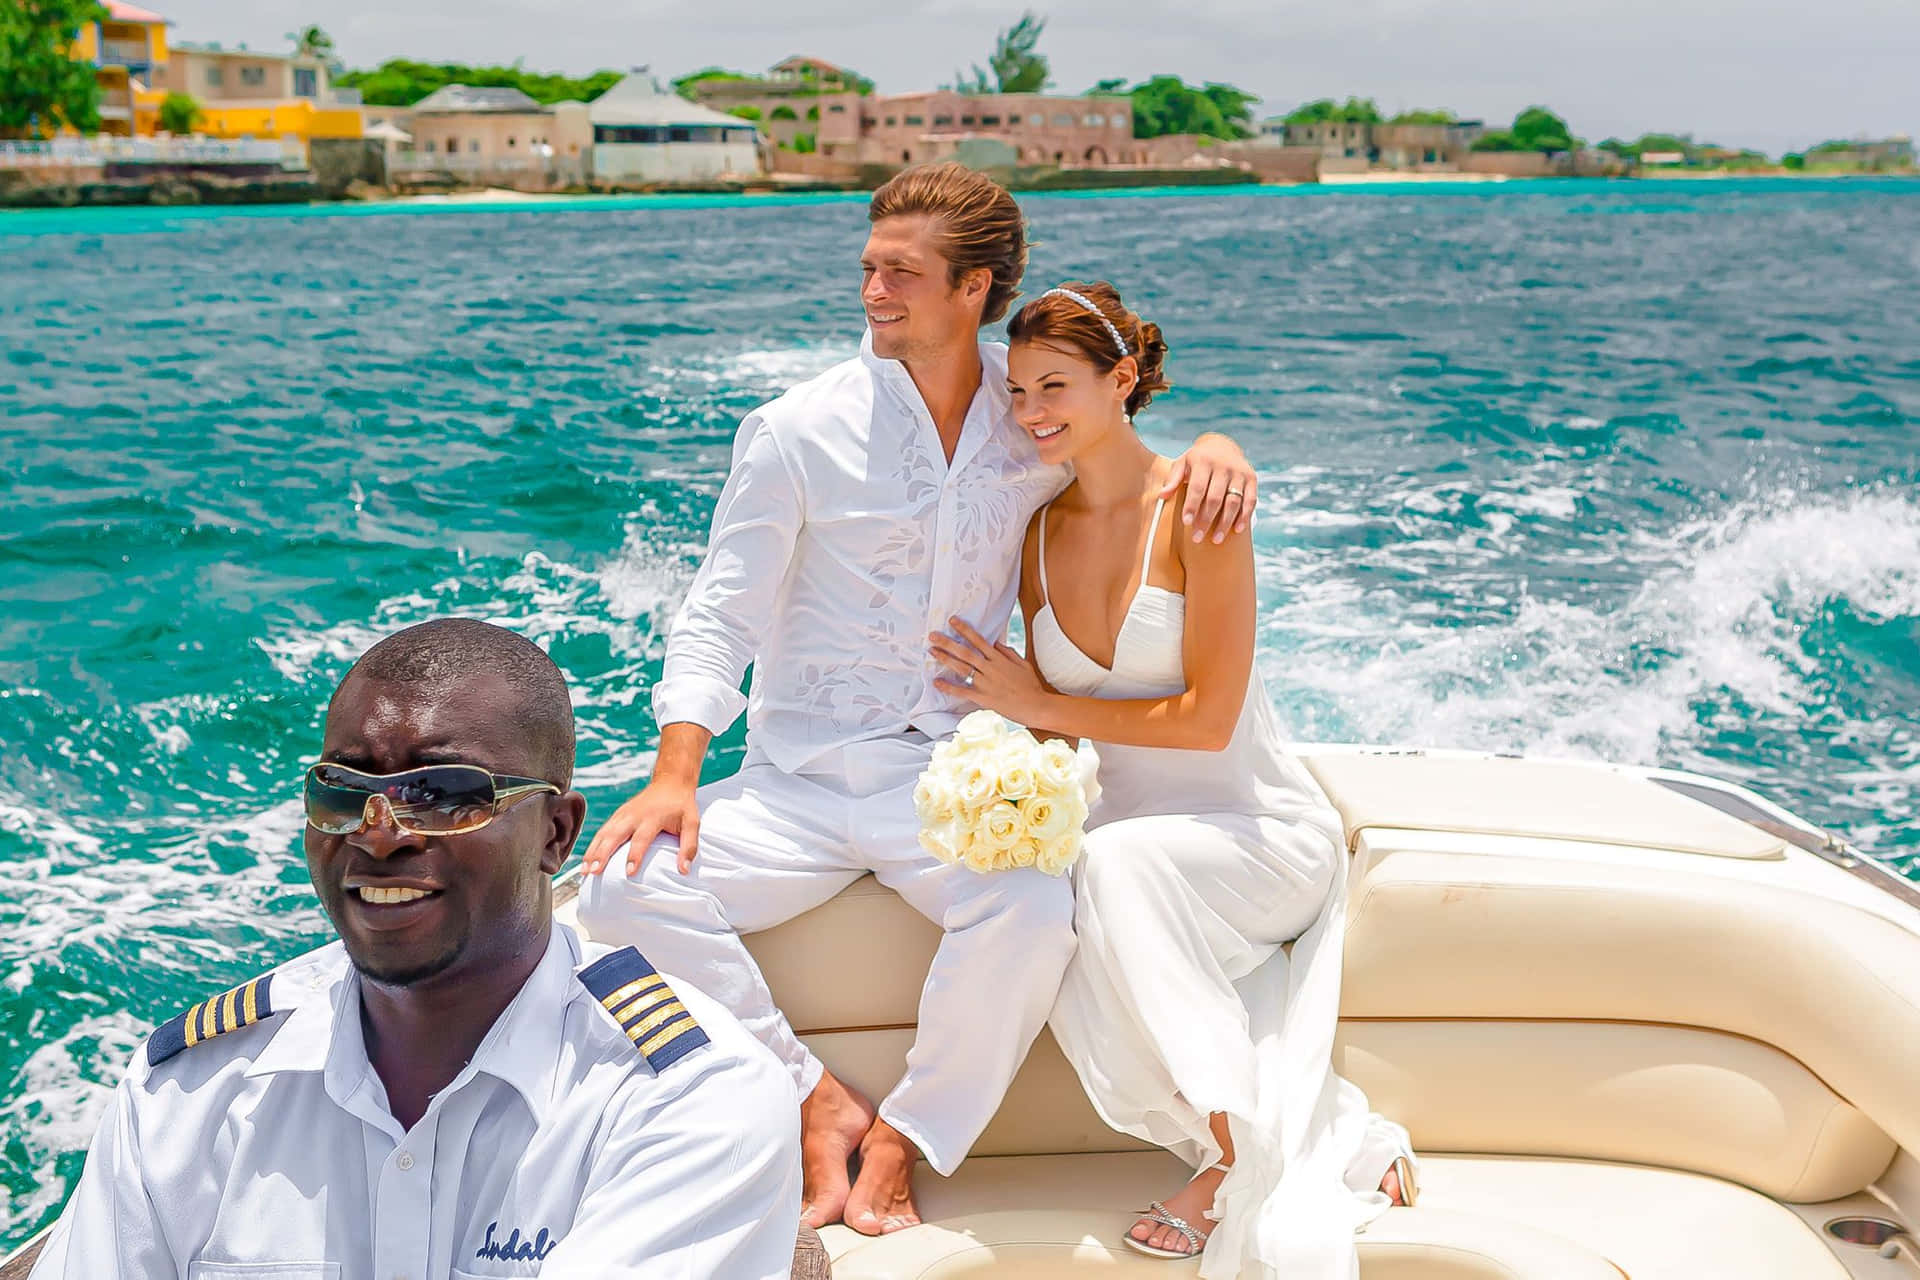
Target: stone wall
x,y
338,163
81,188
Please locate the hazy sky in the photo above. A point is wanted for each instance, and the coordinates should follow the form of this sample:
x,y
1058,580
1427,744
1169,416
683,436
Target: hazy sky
x,y
1773,74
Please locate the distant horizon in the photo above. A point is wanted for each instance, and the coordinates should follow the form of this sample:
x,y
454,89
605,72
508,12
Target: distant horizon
x,y
1739,73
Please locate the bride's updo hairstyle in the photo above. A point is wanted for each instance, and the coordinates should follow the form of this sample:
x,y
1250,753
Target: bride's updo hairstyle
x,y
1091,319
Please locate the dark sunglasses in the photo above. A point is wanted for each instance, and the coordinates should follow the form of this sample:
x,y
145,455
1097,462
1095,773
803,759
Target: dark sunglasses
x,y
437,800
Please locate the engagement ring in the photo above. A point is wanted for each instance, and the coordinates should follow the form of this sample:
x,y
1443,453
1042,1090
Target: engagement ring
x,y
968,682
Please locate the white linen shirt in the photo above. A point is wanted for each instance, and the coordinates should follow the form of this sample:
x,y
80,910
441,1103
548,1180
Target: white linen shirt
x,y
843,538
269,1152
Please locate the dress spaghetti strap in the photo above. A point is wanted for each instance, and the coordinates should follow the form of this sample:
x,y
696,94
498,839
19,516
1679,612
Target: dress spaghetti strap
x,y
1040,554
1146,561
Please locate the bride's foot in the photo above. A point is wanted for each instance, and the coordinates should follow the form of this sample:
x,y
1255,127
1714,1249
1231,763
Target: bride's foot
x,y
1190,1204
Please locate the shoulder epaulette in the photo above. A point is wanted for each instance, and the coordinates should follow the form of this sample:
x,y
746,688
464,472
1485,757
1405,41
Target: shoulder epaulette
x,y
640,1000
246,1004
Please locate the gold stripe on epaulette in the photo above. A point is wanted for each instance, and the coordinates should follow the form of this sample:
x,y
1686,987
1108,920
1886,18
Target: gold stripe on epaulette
x,y
252,1006
230,1009
620,995
639,1028
666,1035
653,988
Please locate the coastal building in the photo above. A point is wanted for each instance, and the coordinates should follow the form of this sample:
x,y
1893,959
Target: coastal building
x,y
1423,147
246,93
811,106
642,134
1864,155
496,134
784,102
1033,128
128,49
1333,139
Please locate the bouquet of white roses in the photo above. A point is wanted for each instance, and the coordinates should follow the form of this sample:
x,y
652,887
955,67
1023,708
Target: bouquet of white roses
x,y
995,798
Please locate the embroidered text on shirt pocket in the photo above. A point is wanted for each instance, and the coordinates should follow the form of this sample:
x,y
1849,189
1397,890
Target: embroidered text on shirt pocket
x,y
263,1271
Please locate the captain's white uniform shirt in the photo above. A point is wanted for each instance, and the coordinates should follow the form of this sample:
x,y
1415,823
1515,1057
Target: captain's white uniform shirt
x,y
843,538
269,1152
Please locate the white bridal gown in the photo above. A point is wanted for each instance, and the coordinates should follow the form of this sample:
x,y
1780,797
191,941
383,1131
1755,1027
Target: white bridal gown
x,y
1181,1000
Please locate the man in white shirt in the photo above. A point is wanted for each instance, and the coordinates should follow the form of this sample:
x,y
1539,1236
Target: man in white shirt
x,y
459,1087
865,509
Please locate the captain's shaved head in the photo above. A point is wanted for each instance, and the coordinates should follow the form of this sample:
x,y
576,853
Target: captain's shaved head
x,y
446,651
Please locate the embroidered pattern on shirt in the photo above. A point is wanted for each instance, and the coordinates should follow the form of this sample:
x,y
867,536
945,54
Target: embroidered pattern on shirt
x,y
515,1248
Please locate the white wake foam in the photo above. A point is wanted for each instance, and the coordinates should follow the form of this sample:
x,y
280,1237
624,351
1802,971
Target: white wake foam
x,y
1717,625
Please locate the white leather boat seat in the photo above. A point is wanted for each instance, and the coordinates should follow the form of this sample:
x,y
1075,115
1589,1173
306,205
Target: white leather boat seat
x,y
1480,1218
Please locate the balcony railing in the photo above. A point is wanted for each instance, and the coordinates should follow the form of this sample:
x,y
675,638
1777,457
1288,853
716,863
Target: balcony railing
x,y
86,152
126,53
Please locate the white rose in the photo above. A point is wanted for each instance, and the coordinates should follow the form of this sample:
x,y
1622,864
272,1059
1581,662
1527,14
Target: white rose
x,y
938,802
1058,855
973,785
1025,853
1055,767
980,856
982,728
1017,780
1000,829
1048,819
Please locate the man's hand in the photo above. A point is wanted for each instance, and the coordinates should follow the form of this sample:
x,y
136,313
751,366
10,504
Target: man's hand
x,y
1222,489
662,808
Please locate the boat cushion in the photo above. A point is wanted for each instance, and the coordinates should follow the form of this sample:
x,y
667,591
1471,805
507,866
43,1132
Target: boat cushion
x,y
1647,1094
1461,935
1640,1093
1547,799
1479,1217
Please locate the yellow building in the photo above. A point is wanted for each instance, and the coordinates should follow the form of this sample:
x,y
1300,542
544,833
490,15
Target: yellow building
x,y
242,94
129,51
246,94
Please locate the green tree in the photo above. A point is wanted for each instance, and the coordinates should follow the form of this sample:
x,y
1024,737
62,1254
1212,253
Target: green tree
x,y
42,87
804,144
746,111
1013,66
1114,88
1538,129
782,112
1425,116
1326,110
312,42
1167,105
1535,129
684,85
401,82
178,111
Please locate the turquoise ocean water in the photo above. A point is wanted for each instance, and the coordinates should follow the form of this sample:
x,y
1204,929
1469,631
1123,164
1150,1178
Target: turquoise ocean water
x,y
1576,469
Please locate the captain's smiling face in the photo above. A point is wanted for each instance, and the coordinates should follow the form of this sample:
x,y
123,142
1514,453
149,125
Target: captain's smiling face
x,y
485,896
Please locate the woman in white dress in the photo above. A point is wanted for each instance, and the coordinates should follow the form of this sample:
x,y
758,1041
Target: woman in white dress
x,y
1210,849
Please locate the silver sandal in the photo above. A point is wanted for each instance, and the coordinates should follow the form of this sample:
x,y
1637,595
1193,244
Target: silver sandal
x,y
1157,1213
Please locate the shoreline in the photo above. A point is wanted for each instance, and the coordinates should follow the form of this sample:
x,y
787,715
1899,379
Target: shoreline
x,y
137,218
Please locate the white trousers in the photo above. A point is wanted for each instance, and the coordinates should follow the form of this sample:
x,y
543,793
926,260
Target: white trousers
x,y
774,845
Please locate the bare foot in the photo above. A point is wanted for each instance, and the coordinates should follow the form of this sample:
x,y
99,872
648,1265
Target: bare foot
x,y
1190,1204
833,1120
882,1198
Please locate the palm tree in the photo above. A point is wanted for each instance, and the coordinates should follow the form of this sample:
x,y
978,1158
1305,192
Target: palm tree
x,y
311,42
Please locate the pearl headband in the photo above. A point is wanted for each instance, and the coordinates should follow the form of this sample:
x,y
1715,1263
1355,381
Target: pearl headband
x,y
1092,306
